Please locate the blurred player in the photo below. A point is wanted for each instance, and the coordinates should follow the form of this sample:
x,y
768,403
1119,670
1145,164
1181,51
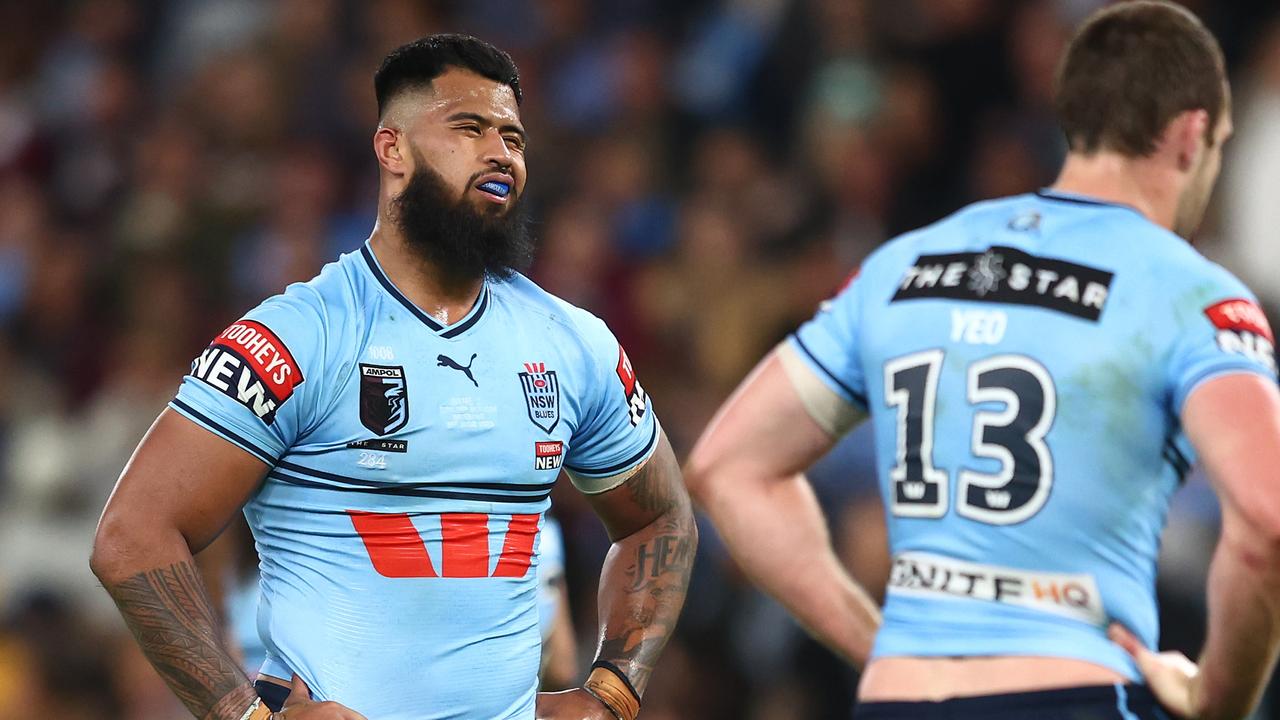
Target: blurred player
x,y
555,622
396,425
1040,372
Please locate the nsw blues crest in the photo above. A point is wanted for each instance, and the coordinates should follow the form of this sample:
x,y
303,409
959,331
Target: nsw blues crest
x,y
384,398
542,395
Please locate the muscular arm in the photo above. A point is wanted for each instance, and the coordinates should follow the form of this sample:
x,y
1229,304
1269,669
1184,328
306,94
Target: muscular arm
x,y
746,472
180,488
646,572
1234,424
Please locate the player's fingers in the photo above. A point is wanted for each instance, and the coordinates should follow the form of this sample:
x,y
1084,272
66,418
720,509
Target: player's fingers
x,y
298,691
1121,636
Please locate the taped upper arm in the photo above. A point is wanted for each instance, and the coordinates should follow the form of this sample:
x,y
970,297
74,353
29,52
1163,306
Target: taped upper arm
x,y
828,408
764,428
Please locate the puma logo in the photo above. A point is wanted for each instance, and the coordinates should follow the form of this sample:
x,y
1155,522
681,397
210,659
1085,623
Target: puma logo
x,y
446,361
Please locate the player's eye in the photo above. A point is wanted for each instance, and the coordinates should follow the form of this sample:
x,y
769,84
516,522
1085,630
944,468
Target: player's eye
x,y
471,129
513,141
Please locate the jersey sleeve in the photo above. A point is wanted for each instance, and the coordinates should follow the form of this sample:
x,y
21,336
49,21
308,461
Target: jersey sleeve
x,y
253,385
828,344
1222,330
617,431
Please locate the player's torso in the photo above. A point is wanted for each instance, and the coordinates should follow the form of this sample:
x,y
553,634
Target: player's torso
x,y
399,534
1014,367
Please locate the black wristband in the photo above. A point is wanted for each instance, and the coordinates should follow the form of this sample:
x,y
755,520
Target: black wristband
x,y
621,676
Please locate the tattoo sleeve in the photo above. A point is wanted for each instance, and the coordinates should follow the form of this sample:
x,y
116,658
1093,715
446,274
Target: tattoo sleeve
x,y
646,574
169,613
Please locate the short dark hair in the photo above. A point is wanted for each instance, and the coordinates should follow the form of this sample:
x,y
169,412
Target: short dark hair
x,y
415,65
1130,69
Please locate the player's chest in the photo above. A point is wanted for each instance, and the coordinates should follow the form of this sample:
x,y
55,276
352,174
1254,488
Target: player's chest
x,y
487,408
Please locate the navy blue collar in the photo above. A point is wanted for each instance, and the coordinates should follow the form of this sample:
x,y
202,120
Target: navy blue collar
x,y
445,331
1050,194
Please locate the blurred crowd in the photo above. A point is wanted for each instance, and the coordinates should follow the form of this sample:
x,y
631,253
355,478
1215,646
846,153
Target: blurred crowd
x,y
702,174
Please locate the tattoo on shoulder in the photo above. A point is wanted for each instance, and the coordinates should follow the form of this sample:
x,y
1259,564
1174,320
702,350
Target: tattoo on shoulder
x,y
170,614
657,487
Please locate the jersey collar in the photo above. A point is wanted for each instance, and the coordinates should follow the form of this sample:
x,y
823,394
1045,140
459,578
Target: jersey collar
x,y
444,331
1051,194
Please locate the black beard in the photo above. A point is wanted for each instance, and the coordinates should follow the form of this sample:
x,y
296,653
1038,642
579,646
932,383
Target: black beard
x,y
459,240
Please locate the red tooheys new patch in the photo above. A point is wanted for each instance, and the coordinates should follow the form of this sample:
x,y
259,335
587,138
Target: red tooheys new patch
x,y
548,455
250,365
637,400
1243,330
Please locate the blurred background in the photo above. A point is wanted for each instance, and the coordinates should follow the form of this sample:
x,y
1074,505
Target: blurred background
x,y
702,173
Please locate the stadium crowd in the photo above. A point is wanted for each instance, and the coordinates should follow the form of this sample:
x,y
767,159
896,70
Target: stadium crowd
x,y
702,175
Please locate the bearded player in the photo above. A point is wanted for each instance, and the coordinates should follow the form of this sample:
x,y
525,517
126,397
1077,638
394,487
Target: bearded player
x,y
1040,371
395,427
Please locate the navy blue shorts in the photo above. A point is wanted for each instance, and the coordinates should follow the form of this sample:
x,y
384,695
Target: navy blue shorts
x,y
1098,702
273,695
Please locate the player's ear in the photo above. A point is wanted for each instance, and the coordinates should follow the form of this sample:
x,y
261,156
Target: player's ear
x,y
390,151
1187,135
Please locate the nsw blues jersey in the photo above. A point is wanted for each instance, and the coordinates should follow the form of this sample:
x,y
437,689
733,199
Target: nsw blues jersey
x,y
1025,362
410,466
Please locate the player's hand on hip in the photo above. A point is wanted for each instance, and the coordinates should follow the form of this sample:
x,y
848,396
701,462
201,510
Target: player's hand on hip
x,y
577,704
300,706
1170,675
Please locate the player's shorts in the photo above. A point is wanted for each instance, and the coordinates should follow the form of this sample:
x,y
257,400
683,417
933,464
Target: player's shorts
x,y
1097,702
273,695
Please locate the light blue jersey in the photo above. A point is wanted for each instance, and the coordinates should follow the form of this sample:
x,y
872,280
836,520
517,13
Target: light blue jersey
x,y
1025,362
411,464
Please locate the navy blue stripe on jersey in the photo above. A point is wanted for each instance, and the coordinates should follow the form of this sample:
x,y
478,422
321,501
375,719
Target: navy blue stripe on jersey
x,y
862,399
1177,459
224,431
1080,200
412,491
322,475
482,302
618,467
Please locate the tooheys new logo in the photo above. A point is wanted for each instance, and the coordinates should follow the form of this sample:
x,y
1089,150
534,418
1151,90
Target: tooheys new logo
x,y
637,400
1243,330
250,365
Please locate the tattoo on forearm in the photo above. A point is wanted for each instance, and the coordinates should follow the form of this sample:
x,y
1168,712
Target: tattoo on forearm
x,y
659,556
169,613
654,574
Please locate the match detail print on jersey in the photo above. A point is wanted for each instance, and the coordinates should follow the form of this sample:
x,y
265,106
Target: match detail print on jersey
x,y
397,549
1010,276
249,364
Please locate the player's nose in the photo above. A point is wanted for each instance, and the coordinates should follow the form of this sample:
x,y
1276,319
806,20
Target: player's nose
x,y
495,151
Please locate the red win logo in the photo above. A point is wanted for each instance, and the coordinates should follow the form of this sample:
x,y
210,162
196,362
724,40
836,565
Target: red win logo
x,y
397,549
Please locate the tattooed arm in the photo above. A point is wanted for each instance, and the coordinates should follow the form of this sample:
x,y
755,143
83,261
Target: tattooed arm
x,y
645,574
180,488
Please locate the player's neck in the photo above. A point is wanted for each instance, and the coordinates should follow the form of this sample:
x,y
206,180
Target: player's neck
x,y
443,296
1110,177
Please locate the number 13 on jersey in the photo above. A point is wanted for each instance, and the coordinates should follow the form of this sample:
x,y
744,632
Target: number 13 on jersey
x,y
1013,435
